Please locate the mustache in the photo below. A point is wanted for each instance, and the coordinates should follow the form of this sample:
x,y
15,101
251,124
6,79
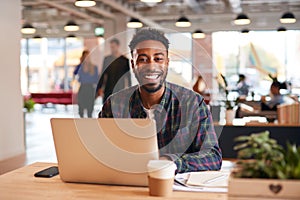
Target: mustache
x,y
151,72
151,69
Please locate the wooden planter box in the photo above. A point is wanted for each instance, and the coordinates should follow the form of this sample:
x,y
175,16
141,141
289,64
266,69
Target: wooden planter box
x,y
263,189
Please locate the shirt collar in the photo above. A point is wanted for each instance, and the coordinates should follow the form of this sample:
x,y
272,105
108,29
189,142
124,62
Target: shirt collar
x,y
137,106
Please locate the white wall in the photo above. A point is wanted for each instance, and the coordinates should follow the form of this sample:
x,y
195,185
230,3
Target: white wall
x,y
11,102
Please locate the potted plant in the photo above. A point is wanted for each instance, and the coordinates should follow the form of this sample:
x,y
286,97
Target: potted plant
x,y
29,104
265,169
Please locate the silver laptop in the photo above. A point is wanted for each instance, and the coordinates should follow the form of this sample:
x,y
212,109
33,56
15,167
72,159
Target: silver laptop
x,y
105,151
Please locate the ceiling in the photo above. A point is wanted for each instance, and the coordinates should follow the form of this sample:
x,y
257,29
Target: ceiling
x,y
49,16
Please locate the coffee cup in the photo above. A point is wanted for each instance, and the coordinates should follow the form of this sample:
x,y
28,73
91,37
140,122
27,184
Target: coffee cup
x,y
161,177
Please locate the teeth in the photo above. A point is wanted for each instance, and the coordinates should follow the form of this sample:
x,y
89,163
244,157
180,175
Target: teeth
x,y
151,76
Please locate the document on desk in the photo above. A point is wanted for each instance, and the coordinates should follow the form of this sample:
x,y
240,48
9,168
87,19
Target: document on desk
x,y
206,181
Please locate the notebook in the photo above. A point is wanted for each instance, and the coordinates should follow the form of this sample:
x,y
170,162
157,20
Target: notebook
x,y
104,151
209,179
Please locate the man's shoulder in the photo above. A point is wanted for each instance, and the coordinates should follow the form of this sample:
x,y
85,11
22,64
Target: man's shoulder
x,y
123,57
124,93
183,92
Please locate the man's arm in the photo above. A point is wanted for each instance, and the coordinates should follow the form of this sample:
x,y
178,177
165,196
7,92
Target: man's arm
x,y
204,152
103,78
106,110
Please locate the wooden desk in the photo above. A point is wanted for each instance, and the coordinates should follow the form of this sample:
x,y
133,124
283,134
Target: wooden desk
x,y
21,184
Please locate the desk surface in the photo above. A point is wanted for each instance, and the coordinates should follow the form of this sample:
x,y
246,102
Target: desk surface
x,y
21,184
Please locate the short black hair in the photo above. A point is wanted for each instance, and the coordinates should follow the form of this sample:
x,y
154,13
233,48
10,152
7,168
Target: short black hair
x,y
276,84
242,76
115,40
148,34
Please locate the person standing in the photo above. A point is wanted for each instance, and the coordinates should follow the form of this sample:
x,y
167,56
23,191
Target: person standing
x,y
87,77
115,74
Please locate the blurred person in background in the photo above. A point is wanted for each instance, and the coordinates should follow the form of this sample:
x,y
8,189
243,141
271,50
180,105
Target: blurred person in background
x,y
88,77
115,74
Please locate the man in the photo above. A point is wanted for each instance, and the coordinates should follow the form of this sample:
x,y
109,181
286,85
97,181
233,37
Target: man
x,y
185,130
115,74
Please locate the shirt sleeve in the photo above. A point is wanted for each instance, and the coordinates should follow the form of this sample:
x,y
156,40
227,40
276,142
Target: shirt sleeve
x,y
102,75
75,72
204,152
106,111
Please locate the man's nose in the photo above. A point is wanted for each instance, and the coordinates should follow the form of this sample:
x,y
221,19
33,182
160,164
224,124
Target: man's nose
x,y
152,65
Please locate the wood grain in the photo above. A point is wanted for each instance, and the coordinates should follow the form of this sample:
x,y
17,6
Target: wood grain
x,y
21,184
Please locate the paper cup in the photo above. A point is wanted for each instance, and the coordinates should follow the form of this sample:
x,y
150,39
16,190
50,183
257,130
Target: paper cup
x,y
161,177
161,169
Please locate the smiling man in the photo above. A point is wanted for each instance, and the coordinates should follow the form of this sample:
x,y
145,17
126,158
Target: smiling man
x,y
184,125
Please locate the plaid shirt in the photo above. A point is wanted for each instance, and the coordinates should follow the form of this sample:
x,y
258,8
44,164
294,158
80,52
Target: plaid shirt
x,y
185,131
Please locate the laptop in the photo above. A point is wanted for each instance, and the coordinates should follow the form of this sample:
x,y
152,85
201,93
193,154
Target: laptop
x,y
105,150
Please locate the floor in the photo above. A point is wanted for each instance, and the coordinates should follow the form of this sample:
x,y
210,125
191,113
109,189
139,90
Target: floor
x,y
38,135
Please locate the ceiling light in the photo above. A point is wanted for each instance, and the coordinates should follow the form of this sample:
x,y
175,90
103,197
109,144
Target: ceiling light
x,y
28,29
71,38
242,19
198,34
151,1
71,26
37,37
134,23
281,29
85,3
288,18
183,22
245,31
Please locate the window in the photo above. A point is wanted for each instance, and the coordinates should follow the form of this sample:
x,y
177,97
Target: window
x,y
43,61
257,55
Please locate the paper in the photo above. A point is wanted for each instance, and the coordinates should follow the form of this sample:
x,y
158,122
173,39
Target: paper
x,y
181,185
199,189
208,179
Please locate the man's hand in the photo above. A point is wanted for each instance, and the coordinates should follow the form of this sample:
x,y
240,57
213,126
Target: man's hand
x,y
100,92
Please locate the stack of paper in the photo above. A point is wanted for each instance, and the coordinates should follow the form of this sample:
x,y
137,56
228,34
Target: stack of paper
x,y
206,181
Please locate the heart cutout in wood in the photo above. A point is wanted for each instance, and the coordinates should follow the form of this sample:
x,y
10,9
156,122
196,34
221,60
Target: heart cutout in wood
x,y
275,188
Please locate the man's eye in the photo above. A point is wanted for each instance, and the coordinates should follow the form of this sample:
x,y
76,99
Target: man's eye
x,y
142,59
159,59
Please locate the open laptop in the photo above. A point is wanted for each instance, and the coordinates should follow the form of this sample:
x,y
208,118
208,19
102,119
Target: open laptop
x,y
105,151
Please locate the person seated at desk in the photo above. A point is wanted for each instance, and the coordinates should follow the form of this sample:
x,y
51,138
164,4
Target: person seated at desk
x,y
242,86
184,123
276,98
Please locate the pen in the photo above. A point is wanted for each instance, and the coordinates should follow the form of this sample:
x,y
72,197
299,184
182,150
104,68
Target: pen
x,y
180,183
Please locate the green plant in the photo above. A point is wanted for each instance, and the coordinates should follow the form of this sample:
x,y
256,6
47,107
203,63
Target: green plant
x,y
261,157
29,104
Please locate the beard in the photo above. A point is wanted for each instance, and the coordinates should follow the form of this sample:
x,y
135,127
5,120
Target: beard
x,y
152,89
151,80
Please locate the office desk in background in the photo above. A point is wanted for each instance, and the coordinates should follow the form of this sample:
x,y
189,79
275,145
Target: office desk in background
x,y
21,184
